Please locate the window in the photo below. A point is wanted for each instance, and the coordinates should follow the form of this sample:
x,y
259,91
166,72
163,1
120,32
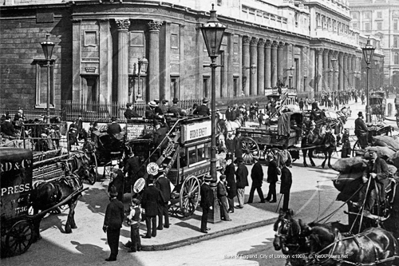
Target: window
x,y
379,25
396,59
355,15
355,25
174,41
174,87
395,25
198,153
41,83
396,41
137,38
367,15
379,14
235,86
219,3
367,26
205,86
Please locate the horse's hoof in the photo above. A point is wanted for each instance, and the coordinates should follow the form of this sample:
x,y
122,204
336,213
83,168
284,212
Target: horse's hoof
x,y
305,165
329,166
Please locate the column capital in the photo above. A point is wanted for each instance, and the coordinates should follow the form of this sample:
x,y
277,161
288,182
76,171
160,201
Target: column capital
x,y
261,42
280,45
123,24
155,25
268,43
319,50
274,45
254,41
245,40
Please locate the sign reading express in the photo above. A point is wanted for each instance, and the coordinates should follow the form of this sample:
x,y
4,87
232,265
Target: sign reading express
x,y
196,131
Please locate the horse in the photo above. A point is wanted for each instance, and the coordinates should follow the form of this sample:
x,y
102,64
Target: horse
x,y
46,195
374,246
325,143
290,240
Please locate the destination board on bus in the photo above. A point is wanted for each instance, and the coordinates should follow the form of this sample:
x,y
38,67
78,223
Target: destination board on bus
x,y
196,131
134,131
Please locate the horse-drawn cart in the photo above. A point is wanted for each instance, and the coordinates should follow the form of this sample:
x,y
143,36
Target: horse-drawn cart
x,y
284,134
377,104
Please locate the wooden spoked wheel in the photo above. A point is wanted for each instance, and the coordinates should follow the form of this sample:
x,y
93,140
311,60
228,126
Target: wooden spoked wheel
x,y
355,148
93,169
250,149
19,238
189,195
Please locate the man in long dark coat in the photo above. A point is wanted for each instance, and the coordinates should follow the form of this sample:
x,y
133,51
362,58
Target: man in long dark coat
x,y
203,109
286,182
152,198
231,183
257,180
361,130
206,202
222,196
133,168
163,185
272,178
114,215
242,181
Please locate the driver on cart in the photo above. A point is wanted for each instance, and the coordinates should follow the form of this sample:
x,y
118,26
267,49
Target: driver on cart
x,y
361,130
377,169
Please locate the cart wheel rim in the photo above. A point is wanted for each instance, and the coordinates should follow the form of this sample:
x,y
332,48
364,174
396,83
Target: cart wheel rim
x,y
250,150
189,195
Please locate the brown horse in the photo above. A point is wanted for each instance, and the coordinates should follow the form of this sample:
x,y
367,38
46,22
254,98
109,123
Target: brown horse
x,y
374,246
47,195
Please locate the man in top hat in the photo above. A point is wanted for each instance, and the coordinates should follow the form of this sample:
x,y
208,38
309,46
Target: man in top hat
x,y
129,113
206,202
242,181
113,219
230,182
222,196
203,109
175,109
361,130
272,178
114,128
163,184
152,198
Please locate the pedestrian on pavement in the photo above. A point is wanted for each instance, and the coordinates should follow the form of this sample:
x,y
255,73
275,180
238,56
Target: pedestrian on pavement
x,y
231,182
361,131
257,180
222,196
133,220
300,104
286,182
152,198
114,215
163,184
206,202
230,143
272,178
238,147
133,168
117,180
346,145
242,181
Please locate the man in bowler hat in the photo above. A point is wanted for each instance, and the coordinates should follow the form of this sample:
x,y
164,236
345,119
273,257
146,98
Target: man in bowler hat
x,y
163,184
203,109
114,215
272,178
206,202
257,180
152,199
242,181
231,182
286,182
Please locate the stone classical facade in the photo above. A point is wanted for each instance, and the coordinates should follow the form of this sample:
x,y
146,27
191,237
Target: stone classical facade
x,y
98,45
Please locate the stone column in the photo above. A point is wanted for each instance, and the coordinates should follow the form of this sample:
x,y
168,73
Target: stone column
x,y
164,73
330,72
350,71
354,69
325,70
319,69
340,71
105,77
345,71
281,62
246,64
76,59
261,67
153,91
123,62
253,67
274,64
289,63
268,66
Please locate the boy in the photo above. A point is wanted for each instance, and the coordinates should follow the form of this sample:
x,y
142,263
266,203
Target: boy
x,y
133,219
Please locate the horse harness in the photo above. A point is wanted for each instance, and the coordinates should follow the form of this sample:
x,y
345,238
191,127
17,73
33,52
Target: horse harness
x,y
331,256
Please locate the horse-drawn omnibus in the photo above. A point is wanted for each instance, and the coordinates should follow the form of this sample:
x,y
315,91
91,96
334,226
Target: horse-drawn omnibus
x,y
377,103
184,154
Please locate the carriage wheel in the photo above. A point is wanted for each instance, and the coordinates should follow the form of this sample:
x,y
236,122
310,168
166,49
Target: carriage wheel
x,y
250,149
355,148
19,238
189,195
93,171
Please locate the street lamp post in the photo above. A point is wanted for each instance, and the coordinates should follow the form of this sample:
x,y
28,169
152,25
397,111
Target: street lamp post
x,y
48,47
368,52
213,32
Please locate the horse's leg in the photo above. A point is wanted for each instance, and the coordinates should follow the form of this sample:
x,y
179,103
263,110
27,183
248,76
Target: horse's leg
x,y
68,225
325,158
73,205
311,157
305,152
330,152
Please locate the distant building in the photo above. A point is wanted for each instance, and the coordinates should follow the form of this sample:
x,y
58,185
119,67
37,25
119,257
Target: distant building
x,y
380,18
306,44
